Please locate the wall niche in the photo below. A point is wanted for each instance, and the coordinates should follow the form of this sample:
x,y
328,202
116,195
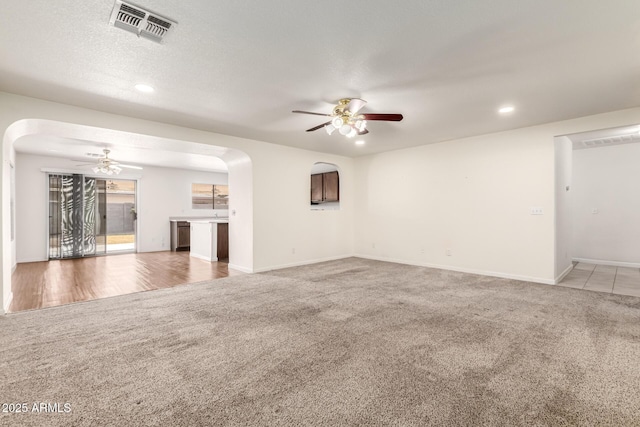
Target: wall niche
x,y
325,187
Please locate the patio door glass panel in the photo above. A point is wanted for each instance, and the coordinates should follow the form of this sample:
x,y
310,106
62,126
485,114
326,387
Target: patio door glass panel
x,y
90,216
121,215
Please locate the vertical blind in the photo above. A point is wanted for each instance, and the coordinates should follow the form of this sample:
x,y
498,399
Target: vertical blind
x,y
72,216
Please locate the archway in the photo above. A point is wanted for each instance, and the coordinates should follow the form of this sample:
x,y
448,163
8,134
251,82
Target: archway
x,y
325,186
240,182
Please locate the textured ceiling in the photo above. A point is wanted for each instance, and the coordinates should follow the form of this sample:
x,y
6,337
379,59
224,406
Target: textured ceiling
x,y
125,151
240,67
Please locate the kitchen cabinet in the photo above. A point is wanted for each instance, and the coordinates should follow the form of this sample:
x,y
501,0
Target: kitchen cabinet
x,y
316,188
223,241
180,236
325,187
331,186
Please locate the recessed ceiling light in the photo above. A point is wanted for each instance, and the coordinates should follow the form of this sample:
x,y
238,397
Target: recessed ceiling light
x,y
144,88
360,142
506,109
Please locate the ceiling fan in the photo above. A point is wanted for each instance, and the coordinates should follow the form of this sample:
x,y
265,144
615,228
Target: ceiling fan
x,y
106,165
347,119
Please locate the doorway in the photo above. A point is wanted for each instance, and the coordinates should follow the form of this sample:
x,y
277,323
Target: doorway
x,y
90,216
63,128
597,182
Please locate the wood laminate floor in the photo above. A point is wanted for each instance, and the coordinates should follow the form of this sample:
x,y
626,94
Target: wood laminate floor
x,y
52,283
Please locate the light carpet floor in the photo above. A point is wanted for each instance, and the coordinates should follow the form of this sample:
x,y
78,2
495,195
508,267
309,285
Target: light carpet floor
x,y
349,342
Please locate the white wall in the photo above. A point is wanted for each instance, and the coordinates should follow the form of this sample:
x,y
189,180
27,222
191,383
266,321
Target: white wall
x,y
471,196
607,179
289,233
13,216
162,192
564,205
241,254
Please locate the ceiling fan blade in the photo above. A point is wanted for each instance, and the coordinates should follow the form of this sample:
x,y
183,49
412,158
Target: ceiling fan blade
x,y
309,112
318,127
355,105
130,167
385,117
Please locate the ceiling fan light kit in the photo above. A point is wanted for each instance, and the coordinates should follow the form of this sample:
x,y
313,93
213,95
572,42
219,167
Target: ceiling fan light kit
x,y
107,166
347,119
109,170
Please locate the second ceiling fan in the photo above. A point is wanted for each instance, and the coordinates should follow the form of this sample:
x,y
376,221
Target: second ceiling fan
x,y
348,120
106,165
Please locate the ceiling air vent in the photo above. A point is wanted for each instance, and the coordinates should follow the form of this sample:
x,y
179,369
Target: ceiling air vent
x,y
140,21
611,140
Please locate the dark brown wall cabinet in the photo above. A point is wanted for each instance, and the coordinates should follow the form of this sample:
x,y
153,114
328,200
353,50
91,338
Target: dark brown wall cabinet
x,y
325,187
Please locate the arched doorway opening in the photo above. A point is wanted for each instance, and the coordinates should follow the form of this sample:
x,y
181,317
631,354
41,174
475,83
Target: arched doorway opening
x,y
238,163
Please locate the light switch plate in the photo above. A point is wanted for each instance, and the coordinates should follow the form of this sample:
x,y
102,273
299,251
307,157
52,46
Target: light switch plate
x,y
536,211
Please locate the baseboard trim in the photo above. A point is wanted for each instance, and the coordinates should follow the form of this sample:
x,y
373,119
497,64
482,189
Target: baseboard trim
x,y
298,264
240,268
214,259
611,263
464,270
400,261
22,261
563,274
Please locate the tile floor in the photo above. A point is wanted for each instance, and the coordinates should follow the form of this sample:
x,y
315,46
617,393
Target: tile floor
x,y
604,278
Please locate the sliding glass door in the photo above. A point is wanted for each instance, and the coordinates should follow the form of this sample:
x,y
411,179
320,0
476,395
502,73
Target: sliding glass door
x,y
121,216
90,216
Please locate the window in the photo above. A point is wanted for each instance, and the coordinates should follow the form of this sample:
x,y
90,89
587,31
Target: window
x,y
209,196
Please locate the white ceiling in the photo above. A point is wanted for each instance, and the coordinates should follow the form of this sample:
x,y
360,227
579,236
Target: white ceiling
x,y
240,67
135,153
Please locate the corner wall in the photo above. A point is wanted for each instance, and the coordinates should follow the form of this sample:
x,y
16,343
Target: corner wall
x,y
564,205
471,198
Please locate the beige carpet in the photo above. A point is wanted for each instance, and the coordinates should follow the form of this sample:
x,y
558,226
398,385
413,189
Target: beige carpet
x,y
350,342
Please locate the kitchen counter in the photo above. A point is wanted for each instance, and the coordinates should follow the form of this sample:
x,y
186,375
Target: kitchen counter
x,y
210,238
210,221
196,218
180,227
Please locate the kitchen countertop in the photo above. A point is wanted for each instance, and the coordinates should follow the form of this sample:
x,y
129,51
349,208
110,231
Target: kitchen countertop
x,y
197,218
210,221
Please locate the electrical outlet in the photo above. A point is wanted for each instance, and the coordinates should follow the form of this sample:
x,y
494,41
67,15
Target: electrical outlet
x,y
536,211
594,211
447,252
373,246
293,251
422,250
